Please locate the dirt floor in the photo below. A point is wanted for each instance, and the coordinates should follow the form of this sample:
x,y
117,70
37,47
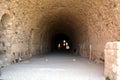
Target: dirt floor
x,y
54,67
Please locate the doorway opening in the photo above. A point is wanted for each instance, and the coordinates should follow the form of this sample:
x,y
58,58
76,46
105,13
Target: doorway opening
x,y
61,43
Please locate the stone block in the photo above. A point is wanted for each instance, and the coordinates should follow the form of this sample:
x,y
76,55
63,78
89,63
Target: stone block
x,y
10,31
118,71
106,71
114,68
112,75
8,36
118,61
1,62
118,54
116,45
109,45
113,60
1,39
111,52
7,44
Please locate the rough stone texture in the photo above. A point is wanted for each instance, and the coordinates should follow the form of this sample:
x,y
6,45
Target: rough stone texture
x,y
112,60
31,24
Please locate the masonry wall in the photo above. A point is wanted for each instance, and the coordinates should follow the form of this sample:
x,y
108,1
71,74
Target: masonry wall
x,y
27,26
112,60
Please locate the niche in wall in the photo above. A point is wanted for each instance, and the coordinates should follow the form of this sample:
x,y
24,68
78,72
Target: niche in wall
x,y
5,21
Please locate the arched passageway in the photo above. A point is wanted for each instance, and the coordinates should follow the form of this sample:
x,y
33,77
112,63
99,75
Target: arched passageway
x,y
62,43
31,25
37,27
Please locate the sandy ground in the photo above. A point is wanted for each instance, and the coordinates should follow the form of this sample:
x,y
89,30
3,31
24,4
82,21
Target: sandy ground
x,y
54,67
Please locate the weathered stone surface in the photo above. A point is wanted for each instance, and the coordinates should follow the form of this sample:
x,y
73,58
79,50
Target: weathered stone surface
x,y
112,61
116,45
30,25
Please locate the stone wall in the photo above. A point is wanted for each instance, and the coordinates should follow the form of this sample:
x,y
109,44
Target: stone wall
x,y
112,60
32,24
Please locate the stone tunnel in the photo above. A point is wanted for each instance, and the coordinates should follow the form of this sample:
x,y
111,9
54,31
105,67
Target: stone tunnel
x,y
36,27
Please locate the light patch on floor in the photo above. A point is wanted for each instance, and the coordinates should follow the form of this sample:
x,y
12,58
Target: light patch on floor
x,y
54,67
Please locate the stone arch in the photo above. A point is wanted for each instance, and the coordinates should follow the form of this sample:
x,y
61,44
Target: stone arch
x,y
5,21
